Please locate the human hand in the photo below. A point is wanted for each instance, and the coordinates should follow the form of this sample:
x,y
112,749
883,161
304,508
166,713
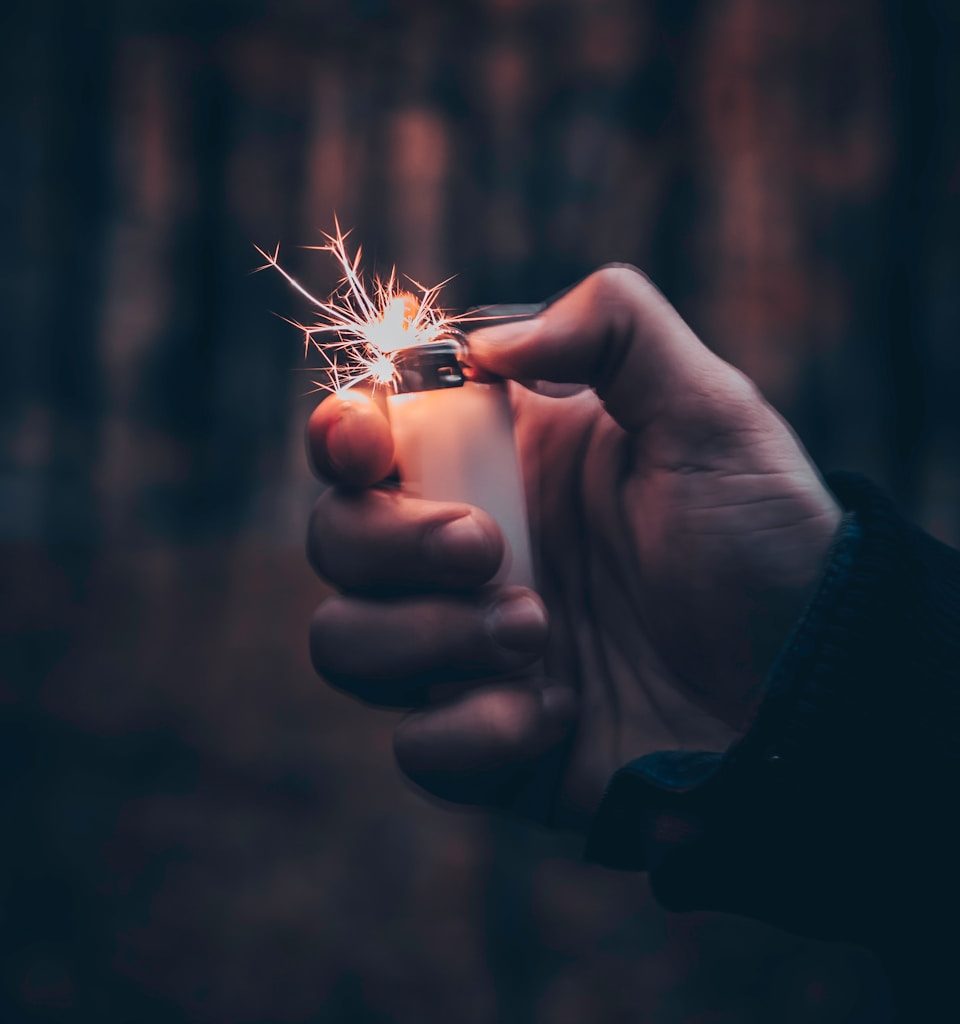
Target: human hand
x,y
680,528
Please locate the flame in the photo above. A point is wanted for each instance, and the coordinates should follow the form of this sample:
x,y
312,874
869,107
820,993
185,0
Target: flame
x,y
359,329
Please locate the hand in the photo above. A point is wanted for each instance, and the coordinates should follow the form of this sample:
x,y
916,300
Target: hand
x,y
680,528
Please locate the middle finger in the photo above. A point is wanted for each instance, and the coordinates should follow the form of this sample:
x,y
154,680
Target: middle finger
x,y
381,540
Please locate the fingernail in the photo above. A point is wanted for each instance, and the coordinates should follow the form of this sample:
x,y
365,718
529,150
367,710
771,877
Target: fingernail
x,y
518,623
461,543
341,440
333,439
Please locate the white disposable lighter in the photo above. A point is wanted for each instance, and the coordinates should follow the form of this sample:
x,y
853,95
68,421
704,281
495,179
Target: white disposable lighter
x,y
454,441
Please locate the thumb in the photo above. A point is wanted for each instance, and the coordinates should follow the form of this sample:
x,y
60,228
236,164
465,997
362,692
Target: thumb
x,y
614,332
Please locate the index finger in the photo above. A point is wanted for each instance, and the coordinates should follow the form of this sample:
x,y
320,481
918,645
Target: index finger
x,y
349,440
614,332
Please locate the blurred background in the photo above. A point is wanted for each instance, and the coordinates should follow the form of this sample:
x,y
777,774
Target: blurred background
x,y
195,829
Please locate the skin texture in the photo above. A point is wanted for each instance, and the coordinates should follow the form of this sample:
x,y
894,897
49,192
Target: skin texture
x,y
680,529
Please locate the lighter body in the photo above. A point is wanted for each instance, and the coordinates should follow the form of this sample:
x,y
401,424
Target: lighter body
x,y
457,444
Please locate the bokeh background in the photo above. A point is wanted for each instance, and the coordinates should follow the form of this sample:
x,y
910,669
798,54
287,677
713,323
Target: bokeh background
x,y
194,828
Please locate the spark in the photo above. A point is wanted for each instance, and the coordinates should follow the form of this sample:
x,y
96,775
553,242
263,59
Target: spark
x,y
359,329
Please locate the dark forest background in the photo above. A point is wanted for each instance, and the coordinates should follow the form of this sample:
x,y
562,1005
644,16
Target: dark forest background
x,y
194,828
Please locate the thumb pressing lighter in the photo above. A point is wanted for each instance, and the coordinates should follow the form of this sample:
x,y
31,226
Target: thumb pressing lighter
x,y
454,441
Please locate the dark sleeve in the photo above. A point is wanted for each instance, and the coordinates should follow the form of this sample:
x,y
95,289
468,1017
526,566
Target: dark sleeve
x,y
834,815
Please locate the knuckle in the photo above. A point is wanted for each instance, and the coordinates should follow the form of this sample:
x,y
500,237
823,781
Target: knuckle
x,y
617,284
722,401
743,388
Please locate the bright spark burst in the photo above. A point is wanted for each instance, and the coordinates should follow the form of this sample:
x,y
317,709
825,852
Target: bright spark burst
x,y
359,329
